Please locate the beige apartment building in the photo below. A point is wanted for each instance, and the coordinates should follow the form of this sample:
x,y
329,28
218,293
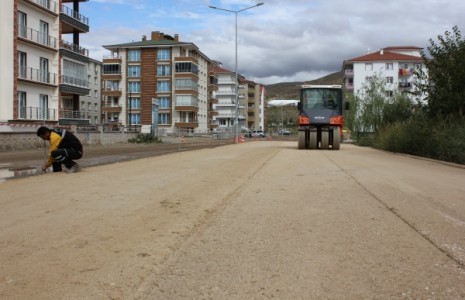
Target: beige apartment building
x,y
158,83
43,70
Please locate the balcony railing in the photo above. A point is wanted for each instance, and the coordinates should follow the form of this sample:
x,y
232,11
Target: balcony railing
x,y
405,72
74,48
37,37
349,72
112,56
187,102
74,14
37,113
405,84
37,75
74,81
48,4
74,114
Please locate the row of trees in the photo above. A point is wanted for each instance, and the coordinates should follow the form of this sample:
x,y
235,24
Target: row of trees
x,y
433,128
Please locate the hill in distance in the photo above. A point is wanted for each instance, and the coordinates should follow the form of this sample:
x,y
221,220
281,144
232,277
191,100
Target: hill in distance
x,y
290,90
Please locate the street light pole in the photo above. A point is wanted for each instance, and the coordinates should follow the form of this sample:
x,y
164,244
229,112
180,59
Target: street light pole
x,y
236,119
130,109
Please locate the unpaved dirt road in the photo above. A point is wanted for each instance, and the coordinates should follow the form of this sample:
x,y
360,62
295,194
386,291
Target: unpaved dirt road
x,y
251,221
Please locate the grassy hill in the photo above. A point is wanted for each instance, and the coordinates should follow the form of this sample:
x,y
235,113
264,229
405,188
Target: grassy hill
x,y
290,90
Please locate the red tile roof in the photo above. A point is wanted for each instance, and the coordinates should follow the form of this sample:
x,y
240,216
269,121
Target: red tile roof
x,y
220,70
387,55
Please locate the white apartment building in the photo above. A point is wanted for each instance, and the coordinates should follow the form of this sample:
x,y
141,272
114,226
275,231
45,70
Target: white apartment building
x,y
394,64
42,76
29,63
226,95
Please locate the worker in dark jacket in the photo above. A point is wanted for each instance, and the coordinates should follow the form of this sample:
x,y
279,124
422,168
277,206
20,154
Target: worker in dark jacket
x,y
64,148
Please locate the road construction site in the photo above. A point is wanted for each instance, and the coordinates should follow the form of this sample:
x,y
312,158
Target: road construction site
x,y
256,220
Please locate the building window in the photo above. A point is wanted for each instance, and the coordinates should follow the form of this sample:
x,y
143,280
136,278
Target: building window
x,y
43,107
187,67
134,55
186,84
22,24
164,119
111,69
95,107
186,100
134,87
389,66
134,71
134,119
22,104
112,85
134,103
368,67
223,122
389,93
22,64
74,73
389,79
163,70
164,103
163,86
163,54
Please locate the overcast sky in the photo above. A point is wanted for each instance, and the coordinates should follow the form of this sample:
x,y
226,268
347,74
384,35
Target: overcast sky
x,y
280,41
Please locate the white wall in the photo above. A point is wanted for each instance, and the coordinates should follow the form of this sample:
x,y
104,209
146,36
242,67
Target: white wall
x,y
6,60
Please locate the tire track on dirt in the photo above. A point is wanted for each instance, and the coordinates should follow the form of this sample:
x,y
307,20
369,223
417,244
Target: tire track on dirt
x,y
393,210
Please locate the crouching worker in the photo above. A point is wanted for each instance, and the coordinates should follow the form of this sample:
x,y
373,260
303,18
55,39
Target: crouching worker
x,y
64,148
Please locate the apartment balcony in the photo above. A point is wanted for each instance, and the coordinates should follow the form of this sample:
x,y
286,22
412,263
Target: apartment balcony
x,y
72,85
74,117
186,122
405,85
111,75
111,109
73,49
37,38
37,76
186,58
349,73
225,93
212,113
112,59
72,21
114,92
405,72
191,104
225,104
46,5
349,86
37,113
213,100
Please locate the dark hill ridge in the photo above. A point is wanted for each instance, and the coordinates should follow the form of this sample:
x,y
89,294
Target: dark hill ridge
x,y
290,90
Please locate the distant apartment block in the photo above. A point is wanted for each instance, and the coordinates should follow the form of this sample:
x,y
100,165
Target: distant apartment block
x,y
42,75
394,64
158,82
91,104
250,102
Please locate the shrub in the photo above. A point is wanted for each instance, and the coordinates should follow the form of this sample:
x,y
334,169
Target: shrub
x,y
145,138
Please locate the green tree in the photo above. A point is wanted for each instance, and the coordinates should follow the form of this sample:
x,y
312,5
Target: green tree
x,y
445,71
367,106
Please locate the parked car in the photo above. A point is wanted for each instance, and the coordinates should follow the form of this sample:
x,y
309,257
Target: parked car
x,y
258,133
284,132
